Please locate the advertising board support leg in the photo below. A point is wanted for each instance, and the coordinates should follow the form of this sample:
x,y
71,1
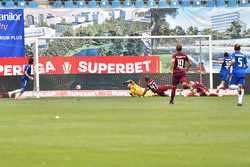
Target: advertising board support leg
x,y
36,73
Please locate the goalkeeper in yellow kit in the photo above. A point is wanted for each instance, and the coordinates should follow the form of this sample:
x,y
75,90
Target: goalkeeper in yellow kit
x,y
136,90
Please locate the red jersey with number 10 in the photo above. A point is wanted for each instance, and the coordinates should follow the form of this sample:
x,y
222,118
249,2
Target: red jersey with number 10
x,y
179,60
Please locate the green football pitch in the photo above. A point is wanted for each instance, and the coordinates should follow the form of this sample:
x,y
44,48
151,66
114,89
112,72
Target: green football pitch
x,y
125,132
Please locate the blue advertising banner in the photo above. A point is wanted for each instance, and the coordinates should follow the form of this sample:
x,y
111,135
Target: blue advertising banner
x,y
11,33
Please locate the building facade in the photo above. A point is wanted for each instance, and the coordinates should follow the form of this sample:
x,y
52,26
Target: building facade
x,y
222,22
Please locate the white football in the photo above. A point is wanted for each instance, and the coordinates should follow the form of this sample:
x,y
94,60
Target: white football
x,y
78,87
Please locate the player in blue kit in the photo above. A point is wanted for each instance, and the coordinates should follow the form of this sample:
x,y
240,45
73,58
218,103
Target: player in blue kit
x,y
239,64
225,71
24,81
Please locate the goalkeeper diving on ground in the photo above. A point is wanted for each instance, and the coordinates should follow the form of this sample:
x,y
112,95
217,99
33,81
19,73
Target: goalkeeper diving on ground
x,y
153,89
136,90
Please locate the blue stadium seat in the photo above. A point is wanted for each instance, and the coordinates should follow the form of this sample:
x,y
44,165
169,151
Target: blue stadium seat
x,y
80,4
244,3
139,4
220,3
57,4
211,3
69,4
162,4
104,4
9,4
151,4
92,4
197,3
21,4
232,3
116,4
174,3
127,4
32,4
185,3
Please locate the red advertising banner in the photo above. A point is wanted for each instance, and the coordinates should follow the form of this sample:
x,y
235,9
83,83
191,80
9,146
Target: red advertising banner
x,y
84,65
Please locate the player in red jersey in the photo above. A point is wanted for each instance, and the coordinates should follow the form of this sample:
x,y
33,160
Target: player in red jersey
x,y
179,69
198,89
154,87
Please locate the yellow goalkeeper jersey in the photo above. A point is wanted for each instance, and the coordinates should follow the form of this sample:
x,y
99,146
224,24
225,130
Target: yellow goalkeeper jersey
x,y
136,90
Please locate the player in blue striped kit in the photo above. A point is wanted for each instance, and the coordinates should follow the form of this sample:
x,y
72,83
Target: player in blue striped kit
x,y
24,81
239,64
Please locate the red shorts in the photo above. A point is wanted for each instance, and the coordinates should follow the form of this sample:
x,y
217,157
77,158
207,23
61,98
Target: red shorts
x,y
179,78
162,88
202,93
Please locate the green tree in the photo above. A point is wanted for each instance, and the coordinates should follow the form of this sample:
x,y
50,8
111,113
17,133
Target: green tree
x,y
164,29
207,31
68,33
112,27
158,20
43,24
192,30
234,31
30,50
246,34
214,34
178,30
119,26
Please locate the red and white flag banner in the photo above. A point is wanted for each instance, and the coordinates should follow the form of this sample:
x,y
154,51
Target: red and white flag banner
x,y
84,65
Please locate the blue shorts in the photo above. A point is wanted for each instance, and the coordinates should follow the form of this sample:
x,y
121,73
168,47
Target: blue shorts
x,y
237,80
224,76
24,84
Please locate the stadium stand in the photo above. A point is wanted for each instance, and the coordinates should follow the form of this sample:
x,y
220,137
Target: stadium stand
x,y
174,3
151,4
139,4
80,4
242,3
163,4
197,3
104,4
92,4
127,4
220,3
33,4
116,4
185,3
211,3
9,4
232,3
122,3
69,4
57,4
21,4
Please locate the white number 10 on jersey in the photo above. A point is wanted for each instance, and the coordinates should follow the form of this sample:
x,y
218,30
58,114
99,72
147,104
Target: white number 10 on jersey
x,y
180,63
